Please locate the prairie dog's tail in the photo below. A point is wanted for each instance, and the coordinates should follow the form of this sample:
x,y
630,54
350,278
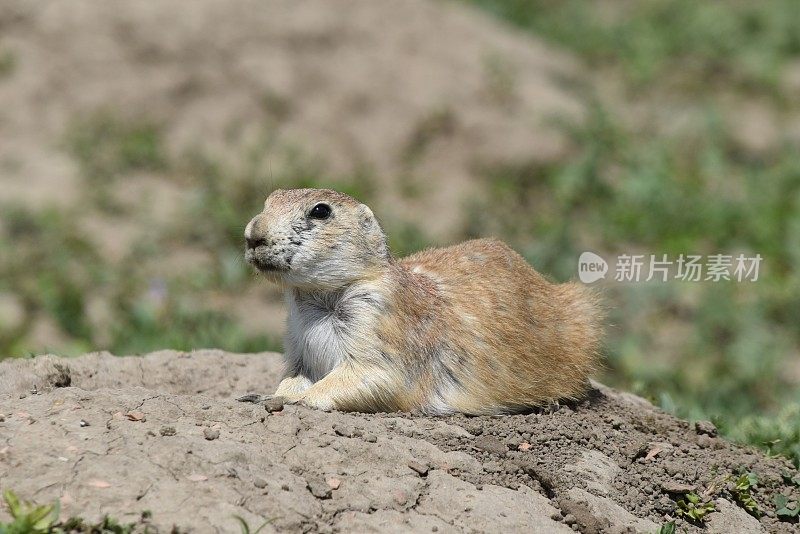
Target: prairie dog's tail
x,y
583,328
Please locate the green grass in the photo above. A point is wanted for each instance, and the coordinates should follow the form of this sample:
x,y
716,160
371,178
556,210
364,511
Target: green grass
x,y
8,63
107,146
54,270
681,44
31,518
778,434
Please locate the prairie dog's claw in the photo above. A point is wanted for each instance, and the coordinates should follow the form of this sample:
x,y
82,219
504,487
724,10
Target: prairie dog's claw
x,y
254,398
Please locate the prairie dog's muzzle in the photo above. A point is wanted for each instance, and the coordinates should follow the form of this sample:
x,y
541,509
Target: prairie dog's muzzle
x,y
266,252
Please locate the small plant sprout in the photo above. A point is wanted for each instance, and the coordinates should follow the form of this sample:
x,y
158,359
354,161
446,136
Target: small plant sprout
x,y
791,478
245,526
29,518
692,508
742,492
786,509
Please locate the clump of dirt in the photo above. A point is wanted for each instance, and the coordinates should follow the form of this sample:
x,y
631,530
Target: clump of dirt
x,y
163,433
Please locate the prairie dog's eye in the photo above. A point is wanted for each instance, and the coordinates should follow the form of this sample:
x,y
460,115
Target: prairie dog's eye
x,y
320,211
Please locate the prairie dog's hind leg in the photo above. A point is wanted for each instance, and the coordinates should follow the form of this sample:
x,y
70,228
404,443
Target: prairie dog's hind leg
x,y
353,388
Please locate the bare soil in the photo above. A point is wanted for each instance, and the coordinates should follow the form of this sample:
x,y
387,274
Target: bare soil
x,y
164,433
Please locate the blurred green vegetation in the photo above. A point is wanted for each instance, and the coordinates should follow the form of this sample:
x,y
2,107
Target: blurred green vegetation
x,y
8,61
737,44
53,271
50,268
109,148
724,351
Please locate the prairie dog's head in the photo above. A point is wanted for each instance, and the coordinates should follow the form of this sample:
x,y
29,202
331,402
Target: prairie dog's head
x,y
315,239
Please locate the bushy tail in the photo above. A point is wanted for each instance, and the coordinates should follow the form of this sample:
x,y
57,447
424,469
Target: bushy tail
x,y
584,321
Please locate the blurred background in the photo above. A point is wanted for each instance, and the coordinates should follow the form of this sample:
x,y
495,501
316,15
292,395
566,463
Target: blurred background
x,y
138,138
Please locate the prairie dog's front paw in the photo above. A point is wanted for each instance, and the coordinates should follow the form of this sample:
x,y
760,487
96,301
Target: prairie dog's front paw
x,y
293,387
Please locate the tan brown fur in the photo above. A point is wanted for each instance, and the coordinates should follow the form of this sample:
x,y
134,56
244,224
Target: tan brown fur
x,y
469,328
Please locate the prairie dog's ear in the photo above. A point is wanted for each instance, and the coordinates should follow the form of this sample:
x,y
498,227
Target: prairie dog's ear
x,y
367,217
373,231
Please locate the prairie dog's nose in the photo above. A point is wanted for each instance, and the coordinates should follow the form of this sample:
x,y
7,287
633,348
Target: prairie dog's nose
x,y
253,235
255,242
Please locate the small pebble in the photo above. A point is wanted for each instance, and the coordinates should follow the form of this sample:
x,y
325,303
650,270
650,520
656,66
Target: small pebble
x,y
371,438
210,433
705,442
136,416
569,519
705,427
419,467
474,427
491,445
260,483
318,488
677,488
167,431
400,497
84,423
274,404
346,431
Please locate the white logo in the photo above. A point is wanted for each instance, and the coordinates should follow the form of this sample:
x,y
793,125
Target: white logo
x,y
591,267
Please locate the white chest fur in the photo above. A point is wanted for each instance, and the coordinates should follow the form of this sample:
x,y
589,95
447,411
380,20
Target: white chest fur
x,y
324,330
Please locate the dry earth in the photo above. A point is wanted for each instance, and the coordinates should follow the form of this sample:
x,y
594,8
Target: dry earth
x,y
120,435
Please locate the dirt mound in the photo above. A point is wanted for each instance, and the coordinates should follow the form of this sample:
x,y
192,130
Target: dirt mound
x,y
121,435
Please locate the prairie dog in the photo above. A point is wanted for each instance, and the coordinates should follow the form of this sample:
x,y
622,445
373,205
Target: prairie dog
x,y
470,328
